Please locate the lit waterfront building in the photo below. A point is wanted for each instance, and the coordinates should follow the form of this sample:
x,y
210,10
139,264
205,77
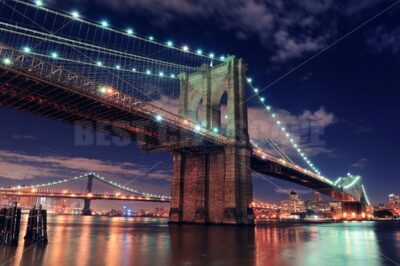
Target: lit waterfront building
x,y
329,209
293,205
394,201
7,200
317,196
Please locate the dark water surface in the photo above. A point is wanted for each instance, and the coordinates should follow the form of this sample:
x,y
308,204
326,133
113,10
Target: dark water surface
x,y
76,240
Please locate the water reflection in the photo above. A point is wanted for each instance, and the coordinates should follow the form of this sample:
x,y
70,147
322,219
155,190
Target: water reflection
x,y
212,245
75,240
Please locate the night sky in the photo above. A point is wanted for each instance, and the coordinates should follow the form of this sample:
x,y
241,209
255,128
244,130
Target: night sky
x,y
312,57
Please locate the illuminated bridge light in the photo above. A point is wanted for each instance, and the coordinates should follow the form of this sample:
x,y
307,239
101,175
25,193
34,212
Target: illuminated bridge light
x,y
104,23
26,49
129,31
54,55
211,55
7,61
151,38
249,80
159,118
199,52
170,43
148,72
185,48
222,58
75,14
99,63
161,74
39,3
197,128
118,67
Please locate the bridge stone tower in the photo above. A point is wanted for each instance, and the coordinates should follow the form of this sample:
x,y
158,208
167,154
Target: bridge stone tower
x,y
213,185
86,206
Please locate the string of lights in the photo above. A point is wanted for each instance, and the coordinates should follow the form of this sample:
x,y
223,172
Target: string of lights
x,y
139,66
81,185
282,127
129,31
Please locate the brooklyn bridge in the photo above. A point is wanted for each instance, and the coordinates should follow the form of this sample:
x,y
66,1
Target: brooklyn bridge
x,y
81,72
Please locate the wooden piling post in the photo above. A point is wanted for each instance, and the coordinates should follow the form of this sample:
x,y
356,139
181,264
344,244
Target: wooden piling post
x,y
3,212
36,230
11,226
29,226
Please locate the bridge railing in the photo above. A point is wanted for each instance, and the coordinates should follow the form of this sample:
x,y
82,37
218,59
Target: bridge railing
x,y
32,65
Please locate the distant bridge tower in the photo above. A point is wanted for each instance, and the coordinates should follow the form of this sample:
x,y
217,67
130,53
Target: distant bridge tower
x,y
211,184
353,185
86,206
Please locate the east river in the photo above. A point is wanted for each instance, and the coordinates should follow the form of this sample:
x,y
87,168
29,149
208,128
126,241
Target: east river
x,y
77,240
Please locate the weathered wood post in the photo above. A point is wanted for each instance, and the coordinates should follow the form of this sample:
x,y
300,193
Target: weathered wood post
x,y
36,230
11,226
29,226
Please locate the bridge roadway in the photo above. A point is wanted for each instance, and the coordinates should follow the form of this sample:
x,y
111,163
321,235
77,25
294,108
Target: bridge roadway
x,y
32,85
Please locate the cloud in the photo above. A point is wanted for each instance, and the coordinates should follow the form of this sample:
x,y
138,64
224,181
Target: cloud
x,y
306,76
23,137
307,127
360,164
288,29
385,40
356,6
22,166
288,190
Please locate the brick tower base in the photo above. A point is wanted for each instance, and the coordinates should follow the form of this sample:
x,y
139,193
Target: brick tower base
x,y
212,188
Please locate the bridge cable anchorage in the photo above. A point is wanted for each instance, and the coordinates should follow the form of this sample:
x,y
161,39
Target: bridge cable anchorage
x,y
281,127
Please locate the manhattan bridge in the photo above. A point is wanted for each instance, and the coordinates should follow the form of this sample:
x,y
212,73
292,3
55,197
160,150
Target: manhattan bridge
x,y
163,96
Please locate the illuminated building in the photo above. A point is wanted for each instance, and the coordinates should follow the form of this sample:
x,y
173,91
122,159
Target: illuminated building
x,y
317,196
293,205
394,201
325,208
